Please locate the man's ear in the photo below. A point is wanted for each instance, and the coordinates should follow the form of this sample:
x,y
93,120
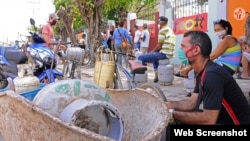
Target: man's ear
x,y
197,50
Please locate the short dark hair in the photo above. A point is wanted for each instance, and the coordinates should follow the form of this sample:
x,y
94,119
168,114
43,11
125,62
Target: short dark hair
x,y
224,24
121,24
164,19
83,35
200,39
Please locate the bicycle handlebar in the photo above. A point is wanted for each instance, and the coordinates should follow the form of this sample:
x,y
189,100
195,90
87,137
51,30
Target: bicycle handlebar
x,y
61,43
116,52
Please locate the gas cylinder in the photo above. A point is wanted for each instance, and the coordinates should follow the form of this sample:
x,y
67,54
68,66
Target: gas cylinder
x,y
189,83
141,78
165,72
82,113
137,54
25,80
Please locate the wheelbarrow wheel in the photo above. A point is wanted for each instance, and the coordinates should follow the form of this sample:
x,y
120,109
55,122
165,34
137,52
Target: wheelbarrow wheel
x,y
154,89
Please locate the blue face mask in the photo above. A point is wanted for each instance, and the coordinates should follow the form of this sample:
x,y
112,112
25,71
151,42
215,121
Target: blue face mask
x,y
182,57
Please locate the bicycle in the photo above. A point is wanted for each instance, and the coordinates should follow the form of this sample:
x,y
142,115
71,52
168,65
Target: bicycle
x,y
86,57
125,79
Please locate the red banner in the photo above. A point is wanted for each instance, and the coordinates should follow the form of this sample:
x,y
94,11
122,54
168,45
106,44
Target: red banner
x,y
196,22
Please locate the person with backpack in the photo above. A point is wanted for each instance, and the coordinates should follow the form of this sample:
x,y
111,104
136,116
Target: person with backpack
x,y
223,102
119,34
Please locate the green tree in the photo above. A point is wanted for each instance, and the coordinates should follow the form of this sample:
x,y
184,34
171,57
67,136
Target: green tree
x,y
94,13
66,11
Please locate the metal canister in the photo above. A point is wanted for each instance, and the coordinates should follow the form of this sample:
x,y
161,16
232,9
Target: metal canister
x,y
95,115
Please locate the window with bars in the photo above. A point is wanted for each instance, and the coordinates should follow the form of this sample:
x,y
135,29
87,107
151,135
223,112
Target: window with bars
x,y
185,8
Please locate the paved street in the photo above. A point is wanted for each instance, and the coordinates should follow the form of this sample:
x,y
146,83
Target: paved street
x,y
176,91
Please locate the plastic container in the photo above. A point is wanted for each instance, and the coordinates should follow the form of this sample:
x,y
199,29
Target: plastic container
x,y
31,94
28,94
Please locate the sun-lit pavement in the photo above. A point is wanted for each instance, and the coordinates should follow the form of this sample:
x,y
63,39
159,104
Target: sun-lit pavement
x,y
176,91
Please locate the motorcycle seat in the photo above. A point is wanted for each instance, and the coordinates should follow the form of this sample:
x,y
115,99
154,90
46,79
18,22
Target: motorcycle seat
x,y
14,55
136,68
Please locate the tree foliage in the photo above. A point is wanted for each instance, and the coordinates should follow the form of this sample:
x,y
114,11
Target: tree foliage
x,y
118,9
93,13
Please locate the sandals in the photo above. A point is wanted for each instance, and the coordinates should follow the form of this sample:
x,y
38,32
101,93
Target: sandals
x,y
239,77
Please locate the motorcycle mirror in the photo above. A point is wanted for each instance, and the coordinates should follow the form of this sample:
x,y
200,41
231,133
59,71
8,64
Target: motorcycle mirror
x,y
32,21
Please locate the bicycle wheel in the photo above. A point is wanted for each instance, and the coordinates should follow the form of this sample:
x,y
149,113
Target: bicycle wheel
x,y
153,89
86,58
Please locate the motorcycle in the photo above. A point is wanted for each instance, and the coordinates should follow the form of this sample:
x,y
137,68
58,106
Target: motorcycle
x,y
44,60
9,59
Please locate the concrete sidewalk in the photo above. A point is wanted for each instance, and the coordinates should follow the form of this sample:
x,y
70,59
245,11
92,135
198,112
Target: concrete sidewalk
x,y
176,91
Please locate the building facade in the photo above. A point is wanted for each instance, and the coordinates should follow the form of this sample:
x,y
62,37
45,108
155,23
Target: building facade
x,y
187,15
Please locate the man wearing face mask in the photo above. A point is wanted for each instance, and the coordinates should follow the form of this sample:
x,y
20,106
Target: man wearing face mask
x,y
221,97
228,51
47,30
164,49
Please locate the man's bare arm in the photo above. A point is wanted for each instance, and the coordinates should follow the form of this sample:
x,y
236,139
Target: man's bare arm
x,y
207,117
183,105
157,47
183,112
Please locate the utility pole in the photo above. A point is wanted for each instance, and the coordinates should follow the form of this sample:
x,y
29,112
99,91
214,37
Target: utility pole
x,y
33,6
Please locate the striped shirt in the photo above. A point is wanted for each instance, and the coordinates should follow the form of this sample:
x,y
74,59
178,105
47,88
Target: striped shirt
x,y
167,37
231,57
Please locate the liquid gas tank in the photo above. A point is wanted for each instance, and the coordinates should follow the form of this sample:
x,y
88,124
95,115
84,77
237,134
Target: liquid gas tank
x,y
25,80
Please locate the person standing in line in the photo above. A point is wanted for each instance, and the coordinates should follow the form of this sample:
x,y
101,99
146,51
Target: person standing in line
x,y
144,39
82,41
118,34
47,30
110,41
48,33
164,49
137,38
